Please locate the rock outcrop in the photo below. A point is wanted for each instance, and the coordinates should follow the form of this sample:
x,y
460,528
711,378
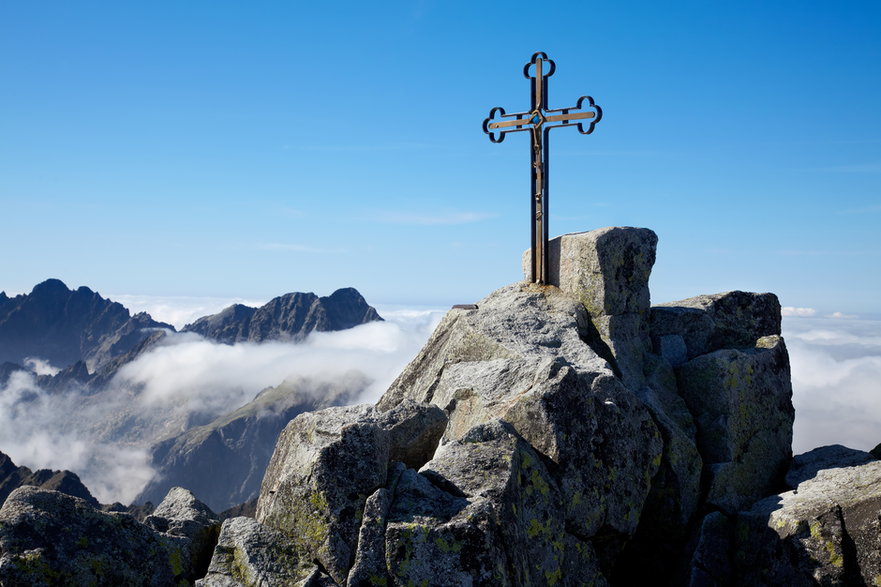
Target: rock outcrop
x,y
50,538
559,434
825,531
288,317
580,439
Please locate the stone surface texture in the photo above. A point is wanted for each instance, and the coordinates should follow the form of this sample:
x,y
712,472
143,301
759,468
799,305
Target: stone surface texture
x,y
824,532
607,270
544,437
325,466
249,553
558,434
181,514
50,538
742,401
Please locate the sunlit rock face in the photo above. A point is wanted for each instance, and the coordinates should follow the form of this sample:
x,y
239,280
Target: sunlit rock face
x,y
571,440
559,434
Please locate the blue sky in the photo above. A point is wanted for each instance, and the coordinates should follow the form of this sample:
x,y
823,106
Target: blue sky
x,y
251,149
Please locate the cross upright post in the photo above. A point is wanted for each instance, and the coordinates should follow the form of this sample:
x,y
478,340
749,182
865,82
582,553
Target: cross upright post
x,y
539,120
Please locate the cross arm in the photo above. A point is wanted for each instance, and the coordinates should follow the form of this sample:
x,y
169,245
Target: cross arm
x,y
566,115
517,122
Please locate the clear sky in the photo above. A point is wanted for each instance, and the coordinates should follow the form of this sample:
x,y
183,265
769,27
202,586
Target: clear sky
x,y
248,149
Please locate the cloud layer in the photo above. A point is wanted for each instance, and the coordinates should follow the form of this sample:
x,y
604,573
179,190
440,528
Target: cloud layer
x,y
836,381
187,380
105,438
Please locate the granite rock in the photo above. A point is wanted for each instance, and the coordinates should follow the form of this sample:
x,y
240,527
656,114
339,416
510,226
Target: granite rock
x,y
742,406
824,532
50,538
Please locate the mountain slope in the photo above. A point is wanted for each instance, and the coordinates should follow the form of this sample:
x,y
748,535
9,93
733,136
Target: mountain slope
x,y
288,317
64,326
223,462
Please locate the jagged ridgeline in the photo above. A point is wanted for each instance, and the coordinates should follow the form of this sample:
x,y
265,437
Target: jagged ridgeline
x,y
568,434
222,456
67,327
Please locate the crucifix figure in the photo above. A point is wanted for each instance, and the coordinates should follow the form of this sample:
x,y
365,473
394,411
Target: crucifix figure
x,y
538,121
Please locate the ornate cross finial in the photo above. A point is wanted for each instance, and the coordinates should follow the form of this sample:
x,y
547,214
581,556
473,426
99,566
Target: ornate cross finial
x,y
539,120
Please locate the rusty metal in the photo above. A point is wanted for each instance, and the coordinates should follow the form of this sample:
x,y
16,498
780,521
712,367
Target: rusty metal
x,y
538,121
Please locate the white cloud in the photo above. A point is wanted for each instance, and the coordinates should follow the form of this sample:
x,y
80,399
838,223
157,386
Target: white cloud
x,y
40,366
836,382
179,310
36,430
187,380
792,311
842,315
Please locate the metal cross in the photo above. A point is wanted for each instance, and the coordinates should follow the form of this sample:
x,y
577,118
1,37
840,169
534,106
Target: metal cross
x,y
539,120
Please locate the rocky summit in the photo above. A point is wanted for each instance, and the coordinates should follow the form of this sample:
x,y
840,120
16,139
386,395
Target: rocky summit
x,y
559,434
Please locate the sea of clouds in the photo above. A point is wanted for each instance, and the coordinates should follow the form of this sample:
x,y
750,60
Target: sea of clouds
x,y
187,380
836,377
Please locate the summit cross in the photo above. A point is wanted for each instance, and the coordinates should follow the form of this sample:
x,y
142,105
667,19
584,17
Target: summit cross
x,y
538,121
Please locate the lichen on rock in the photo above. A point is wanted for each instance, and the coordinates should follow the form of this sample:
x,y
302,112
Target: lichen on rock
x,y
554,434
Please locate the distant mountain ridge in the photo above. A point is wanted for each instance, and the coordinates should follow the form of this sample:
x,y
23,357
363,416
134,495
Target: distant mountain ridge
x,y
288,317
66,327
89,339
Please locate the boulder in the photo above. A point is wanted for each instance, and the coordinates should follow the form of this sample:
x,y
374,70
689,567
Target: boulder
x,y
604,445
484,511
608,270
826,531
710,563
696,326
742,406
665,522
369,567
325,466
50,538
536,372
605,269
806,465
249,553
180,514
515,331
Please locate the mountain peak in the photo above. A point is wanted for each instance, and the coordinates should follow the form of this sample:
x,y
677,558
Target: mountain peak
x,y
64,326
51,286
287,317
